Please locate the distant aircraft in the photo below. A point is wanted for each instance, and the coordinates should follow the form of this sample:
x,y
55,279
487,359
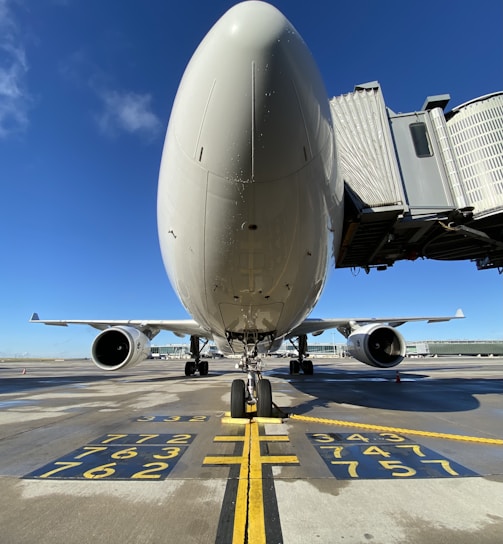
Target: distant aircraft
x,y
250,210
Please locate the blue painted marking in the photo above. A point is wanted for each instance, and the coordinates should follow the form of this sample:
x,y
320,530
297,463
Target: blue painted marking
x,y
351,456
120,457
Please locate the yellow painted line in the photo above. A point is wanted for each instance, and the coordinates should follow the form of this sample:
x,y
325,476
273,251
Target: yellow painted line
x,y
282,459
241,510
275,438
256,524
246,420
495,441
267,420
249,515
265,437
236,420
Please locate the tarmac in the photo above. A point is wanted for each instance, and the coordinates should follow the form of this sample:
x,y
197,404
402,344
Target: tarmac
x,y
353,454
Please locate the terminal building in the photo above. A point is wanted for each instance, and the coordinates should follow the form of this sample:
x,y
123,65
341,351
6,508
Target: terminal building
x,y
429,348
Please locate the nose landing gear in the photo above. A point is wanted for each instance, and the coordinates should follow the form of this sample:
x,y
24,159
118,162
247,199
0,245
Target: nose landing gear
x,y
256,391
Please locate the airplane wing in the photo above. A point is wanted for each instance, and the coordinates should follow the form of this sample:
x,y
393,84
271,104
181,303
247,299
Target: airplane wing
x,y
348,325
179,327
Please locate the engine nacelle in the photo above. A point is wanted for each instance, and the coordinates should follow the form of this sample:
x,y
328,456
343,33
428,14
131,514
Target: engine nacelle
x,y
118,347
377,345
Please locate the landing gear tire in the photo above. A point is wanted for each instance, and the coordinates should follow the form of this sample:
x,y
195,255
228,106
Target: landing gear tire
x,y
190,368
296,365
307,366
264,398
238,398
203,368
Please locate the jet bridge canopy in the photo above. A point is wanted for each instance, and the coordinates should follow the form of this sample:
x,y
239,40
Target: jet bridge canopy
x,y
420,184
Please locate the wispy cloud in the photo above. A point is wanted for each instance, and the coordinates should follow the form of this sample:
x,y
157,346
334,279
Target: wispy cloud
x,y
128,112
14,99
121,111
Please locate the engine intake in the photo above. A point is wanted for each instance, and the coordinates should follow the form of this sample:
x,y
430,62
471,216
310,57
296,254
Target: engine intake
x,y
118,347
380,346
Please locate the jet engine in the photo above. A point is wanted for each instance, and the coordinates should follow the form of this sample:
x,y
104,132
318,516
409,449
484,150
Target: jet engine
x,y
118,347
377,345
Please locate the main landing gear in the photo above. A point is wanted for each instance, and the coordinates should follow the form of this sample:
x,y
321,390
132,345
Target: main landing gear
x,y
197,365
256,390
296,365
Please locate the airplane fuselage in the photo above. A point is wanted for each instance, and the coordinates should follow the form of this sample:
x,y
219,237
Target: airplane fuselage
x,y
249,201
250,210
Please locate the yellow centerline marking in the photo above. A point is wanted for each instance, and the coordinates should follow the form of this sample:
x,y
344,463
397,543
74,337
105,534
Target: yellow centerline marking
x,y
249,515
241,511
229,438
250,416
495,441
256,524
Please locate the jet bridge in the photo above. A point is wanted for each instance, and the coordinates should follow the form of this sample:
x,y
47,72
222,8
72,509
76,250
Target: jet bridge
x,y
421,184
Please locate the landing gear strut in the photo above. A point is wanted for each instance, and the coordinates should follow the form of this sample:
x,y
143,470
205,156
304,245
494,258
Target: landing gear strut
x,y
256,391
296,365
197,365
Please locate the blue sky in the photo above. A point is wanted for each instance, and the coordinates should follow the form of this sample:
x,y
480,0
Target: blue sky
x,y
86,89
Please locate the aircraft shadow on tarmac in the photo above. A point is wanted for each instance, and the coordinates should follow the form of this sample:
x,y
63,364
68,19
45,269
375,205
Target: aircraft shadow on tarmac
x,y
416,392
178,377
413,393
29,383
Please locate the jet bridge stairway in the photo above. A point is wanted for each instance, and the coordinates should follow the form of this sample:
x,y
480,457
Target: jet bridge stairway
x,y
420,184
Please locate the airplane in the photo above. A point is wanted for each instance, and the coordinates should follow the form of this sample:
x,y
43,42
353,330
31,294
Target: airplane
x,y
250,210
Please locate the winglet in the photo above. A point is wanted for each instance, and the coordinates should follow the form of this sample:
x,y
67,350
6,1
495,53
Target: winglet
x,y
459,313
34,317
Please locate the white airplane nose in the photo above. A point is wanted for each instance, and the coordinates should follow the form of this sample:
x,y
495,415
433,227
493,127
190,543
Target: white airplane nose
x,y
252,106
254,24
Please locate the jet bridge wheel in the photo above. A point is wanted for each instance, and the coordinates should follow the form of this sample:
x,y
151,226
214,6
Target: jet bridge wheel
x,y
264,398
238,398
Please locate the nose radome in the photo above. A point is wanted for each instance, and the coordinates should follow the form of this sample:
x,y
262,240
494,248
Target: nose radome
x,y
255,24
263,89
251,105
